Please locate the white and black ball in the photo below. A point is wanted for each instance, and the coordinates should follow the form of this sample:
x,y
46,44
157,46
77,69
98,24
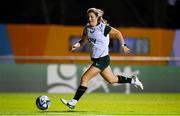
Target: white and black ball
x,y
43,102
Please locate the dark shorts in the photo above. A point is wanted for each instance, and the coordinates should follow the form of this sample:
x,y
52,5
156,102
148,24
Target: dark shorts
x,y
101,63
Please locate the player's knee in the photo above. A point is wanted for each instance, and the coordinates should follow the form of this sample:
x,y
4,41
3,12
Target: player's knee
x,y
111,82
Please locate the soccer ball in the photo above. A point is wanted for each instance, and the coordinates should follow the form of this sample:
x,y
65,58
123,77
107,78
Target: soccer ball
x,y
43,102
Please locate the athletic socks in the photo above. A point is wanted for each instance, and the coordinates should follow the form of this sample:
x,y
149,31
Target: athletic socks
x,y
122,79
80,91
73,102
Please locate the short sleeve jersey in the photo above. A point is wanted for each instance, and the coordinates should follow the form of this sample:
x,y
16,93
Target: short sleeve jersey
x,y
98,38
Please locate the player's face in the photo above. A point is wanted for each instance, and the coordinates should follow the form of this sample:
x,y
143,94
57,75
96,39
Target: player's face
x,y
92,19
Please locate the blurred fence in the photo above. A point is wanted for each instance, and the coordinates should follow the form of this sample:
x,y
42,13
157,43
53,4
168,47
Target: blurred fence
x,y
84,58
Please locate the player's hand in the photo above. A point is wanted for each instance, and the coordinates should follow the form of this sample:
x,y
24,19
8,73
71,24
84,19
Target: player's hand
x,y
125,49
74,47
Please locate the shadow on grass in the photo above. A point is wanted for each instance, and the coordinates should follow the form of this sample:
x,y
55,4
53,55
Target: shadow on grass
x,y
69,112
66,111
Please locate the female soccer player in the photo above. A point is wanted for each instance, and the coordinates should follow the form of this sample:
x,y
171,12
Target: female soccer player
x,y
96,32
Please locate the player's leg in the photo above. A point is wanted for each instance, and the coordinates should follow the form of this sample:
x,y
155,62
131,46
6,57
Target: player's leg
x,y
108,75
88,75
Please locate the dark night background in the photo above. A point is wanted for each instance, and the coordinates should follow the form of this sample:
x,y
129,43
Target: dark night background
x,y
123,13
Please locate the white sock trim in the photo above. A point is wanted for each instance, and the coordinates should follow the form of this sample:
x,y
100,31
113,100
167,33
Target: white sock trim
x,y
132,81
74,102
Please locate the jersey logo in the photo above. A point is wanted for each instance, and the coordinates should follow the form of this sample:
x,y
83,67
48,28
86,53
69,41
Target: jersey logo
x,y
92,31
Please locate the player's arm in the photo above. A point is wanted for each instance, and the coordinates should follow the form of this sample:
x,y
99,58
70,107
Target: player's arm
x,y
118,35
80,42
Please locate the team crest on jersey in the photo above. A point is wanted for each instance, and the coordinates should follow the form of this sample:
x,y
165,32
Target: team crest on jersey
x,y
92,31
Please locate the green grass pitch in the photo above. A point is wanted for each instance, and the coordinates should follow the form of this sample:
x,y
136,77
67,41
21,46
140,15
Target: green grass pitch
x,y
93,104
